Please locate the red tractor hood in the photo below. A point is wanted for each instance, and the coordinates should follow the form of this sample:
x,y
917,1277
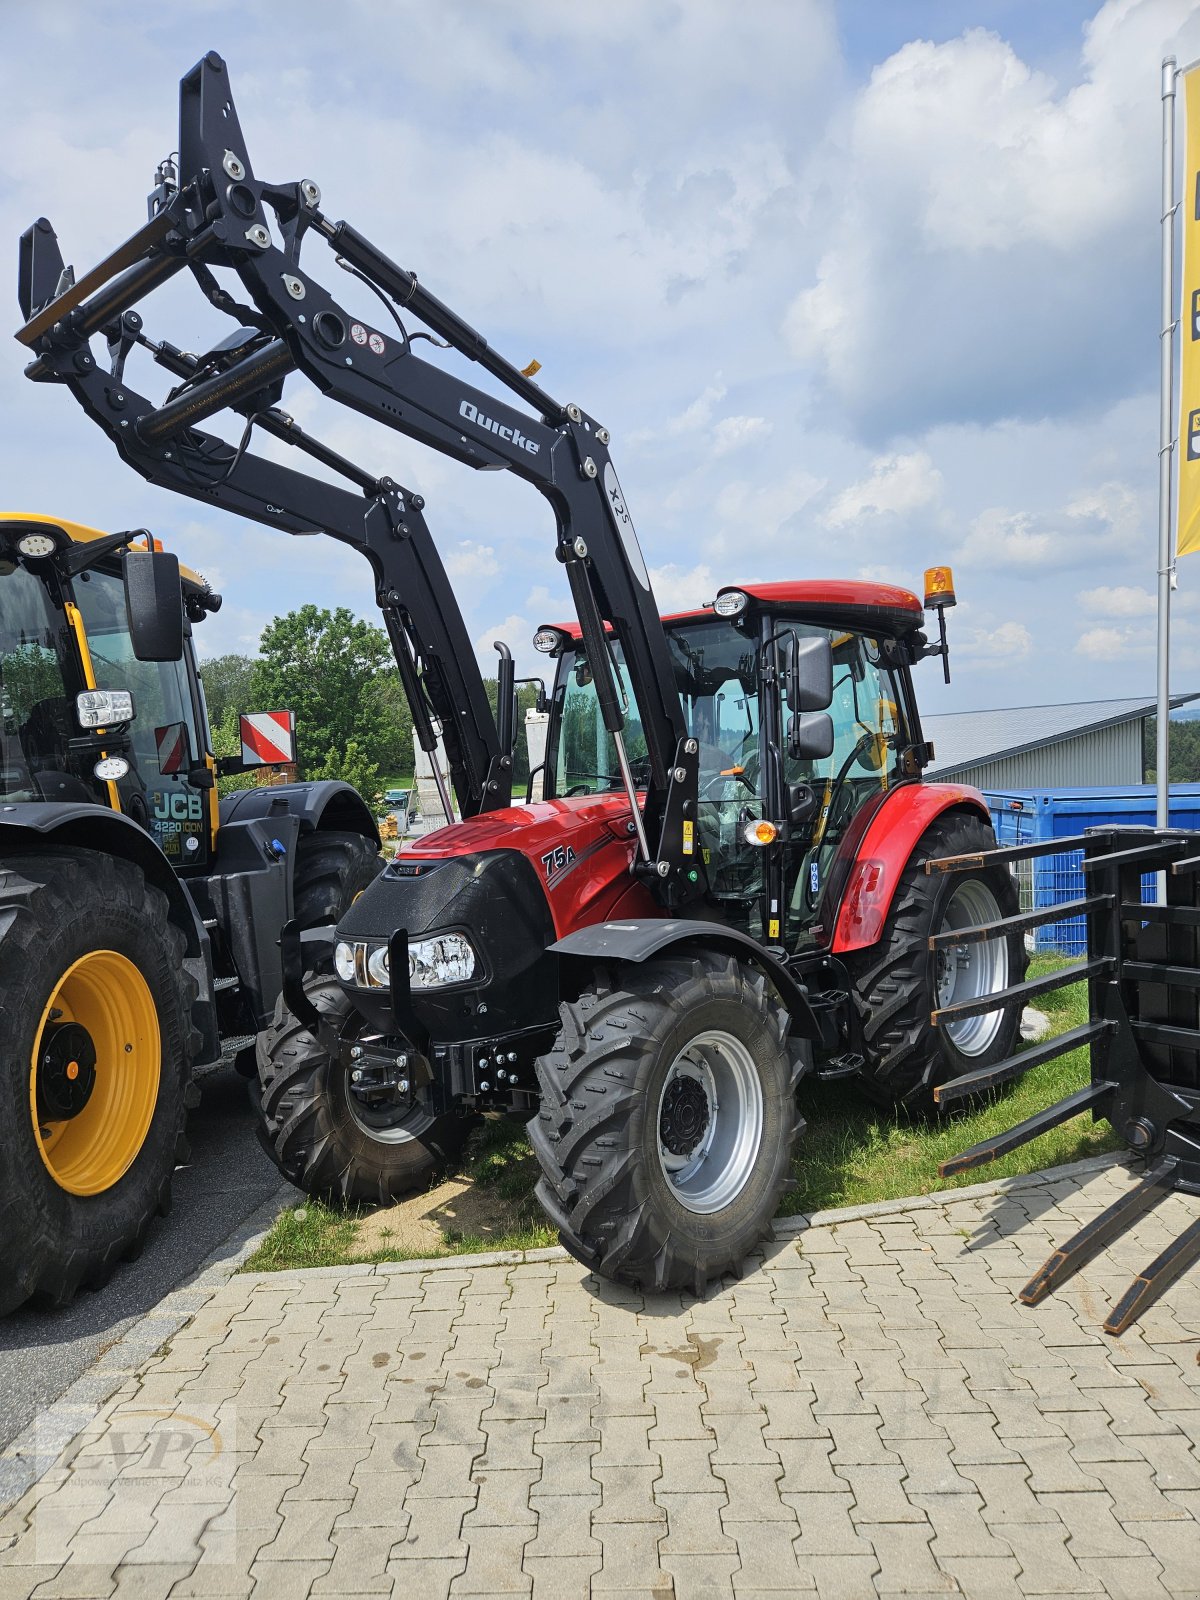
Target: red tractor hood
x,y
581,849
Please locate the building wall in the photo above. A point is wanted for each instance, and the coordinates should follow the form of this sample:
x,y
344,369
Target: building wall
x,y
1108,756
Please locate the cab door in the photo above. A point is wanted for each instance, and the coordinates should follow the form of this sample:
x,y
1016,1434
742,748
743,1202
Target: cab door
x,y
869,742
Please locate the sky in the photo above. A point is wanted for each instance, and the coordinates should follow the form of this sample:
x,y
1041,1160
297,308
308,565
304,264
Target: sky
x,y
857,286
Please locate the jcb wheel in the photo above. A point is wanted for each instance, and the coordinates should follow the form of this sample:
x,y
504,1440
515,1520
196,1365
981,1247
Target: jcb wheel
x,y
96,1042
332,870
667,1122
899,982
317,1133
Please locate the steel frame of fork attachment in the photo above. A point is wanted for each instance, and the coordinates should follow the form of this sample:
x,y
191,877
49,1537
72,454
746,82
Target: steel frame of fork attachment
x,y
1142,969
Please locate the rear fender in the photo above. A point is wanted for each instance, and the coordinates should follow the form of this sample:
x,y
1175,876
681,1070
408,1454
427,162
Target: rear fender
x,y
325,804
892,836
37,827
639,939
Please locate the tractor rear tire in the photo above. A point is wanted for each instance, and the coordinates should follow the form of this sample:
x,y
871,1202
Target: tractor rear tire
x,y
667,1121
319,1138
96,1049
332,870
896,983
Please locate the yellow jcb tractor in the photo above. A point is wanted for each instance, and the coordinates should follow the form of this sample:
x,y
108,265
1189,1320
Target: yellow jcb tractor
x,y
139,914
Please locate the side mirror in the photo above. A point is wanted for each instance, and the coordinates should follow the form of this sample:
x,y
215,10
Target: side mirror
x,y
810,736
268,738
808,672
154,604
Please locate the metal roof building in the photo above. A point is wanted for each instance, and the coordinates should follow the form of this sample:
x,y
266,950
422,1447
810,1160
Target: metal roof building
x,y
1091,742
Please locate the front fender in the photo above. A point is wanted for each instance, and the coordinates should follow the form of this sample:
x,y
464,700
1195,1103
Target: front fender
x,y
885,851
637,939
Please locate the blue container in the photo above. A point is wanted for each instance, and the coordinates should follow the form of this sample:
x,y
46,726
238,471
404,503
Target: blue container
x,y
1025,817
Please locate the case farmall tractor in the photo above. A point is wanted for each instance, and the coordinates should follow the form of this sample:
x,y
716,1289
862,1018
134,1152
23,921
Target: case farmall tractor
x,y
737,875
139,916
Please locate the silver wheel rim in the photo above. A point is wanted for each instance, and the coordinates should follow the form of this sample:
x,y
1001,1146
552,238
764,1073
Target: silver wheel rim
x,y
410,1122
971,971
709,1122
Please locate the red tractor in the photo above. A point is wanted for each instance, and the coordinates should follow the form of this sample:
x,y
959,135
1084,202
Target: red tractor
x,y
724,888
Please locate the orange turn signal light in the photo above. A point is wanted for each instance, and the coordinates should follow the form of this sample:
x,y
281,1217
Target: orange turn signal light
x,y
939,588
760,833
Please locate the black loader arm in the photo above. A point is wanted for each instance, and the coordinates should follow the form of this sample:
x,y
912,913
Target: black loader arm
x,y
211,211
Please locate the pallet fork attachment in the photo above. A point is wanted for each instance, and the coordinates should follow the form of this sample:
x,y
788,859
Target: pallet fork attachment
x,y
1142,970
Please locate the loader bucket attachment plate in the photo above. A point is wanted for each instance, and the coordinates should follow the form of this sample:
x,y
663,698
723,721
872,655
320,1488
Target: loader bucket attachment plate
x,y
1142,969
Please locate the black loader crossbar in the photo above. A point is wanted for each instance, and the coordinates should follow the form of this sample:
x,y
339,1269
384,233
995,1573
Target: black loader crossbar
x,y
1142,969
209,211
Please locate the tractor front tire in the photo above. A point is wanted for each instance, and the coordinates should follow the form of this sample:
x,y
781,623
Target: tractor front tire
x,y
667,1121
332,870
317,1135
96,1048
899,982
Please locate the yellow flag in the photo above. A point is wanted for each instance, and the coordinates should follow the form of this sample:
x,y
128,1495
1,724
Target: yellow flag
x,y
1187,526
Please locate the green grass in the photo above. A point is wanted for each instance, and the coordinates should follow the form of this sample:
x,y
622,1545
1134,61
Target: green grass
x,y
852,1154
855,1153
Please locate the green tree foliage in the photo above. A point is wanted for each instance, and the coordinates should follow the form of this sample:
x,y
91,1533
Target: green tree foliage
x,y
230,686
326,666
226,742
1185,750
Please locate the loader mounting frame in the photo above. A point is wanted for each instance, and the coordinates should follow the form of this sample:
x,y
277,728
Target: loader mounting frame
x,y
1142,969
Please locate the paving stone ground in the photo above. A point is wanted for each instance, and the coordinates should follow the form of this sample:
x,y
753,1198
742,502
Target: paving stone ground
x,y
869,1411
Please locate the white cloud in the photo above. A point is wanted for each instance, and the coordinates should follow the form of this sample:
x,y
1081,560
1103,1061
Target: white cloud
x,y
998,538
1108,643
987,244
896,483
469,559
1124,600
731,433
682,589
1007,642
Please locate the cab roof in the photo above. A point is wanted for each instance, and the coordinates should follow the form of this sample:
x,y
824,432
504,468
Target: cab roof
x,y
838,602
80,533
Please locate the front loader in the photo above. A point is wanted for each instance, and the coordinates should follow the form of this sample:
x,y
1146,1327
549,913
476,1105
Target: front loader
x,y
139,916
726,884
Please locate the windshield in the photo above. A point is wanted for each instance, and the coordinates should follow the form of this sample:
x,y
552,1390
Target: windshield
x,y
165,737
37,709
716,679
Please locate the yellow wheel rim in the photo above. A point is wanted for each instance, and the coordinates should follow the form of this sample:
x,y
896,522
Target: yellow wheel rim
x,y
106,994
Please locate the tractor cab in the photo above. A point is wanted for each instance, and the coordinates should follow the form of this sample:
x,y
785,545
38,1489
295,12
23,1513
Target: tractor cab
x,y
800,698
85,717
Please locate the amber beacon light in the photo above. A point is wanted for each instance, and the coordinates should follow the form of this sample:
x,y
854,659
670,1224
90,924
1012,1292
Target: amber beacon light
x,y
939,588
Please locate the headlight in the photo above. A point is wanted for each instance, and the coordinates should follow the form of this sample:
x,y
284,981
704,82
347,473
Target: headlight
x,y
103,708
446,959
730,603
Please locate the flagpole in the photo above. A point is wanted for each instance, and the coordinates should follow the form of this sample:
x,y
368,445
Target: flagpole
x,y
1165,449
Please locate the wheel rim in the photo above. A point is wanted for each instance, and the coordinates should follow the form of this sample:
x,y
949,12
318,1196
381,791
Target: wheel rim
x,y
396,1125
710,1122
971,971
94,1073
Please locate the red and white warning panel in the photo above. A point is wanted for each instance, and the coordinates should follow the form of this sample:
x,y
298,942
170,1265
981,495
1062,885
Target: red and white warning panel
x,y
268,738
172,742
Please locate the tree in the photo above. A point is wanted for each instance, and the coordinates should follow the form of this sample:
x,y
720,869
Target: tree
x,y
229,686
325,666
1185,749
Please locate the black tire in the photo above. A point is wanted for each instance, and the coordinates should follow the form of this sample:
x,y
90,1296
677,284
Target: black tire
x,y
57,909
318,1138
332,870
598,1133
895,983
